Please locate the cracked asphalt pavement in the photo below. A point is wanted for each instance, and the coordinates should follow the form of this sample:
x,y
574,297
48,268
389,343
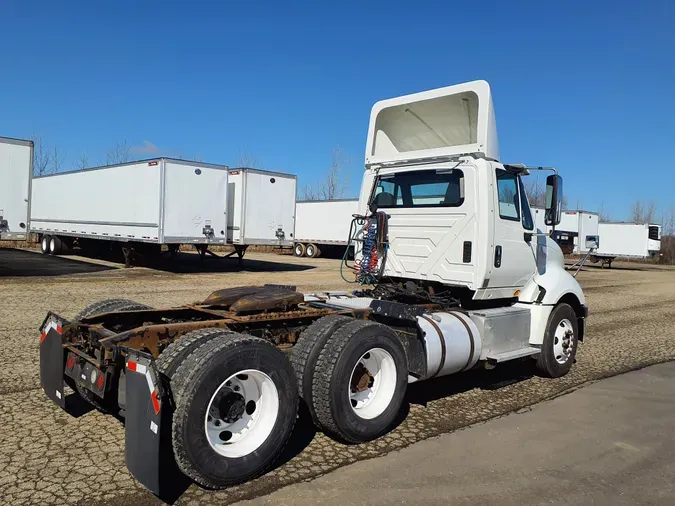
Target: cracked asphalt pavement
x,y
46,456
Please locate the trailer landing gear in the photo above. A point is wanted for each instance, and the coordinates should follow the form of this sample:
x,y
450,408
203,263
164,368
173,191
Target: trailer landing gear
x,y
239,250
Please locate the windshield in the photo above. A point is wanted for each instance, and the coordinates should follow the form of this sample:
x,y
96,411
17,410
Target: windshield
x,y
421,188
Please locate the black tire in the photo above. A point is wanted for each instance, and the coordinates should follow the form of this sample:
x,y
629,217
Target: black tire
x,y
311,251
44,244
108,306
55,245
299,249
306,352
174,354
547,363
196,380
333,372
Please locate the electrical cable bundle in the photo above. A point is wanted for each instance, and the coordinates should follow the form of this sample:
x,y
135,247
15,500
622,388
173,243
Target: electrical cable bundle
x,y
369,267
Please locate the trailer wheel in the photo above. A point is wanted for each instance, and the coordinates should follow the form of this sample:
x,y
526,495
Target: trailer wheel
x,y
306,352
236,404
44,244
560,342
108,306
360,381
299,249
55,245
312,251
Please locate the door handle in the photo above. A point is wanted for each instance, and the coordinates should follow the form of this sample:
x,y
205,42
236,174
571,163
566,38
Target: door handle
x,y
498,256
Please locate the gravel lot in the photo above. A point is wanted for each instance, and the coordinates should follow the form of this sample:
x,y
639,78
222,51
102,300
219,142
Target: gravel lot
x,y
48,457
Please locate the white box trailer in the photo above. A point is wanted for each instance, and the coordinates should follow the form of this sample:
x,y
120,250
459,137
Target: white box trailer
x,y
627,240
261,207
16,174
576,230
322,224
158,201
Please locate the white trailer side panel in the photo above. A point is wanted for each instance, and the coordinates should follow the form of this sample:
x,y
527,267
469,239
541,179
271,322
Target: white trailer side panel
x,y
624,240
16,170
262,207
324,222
119,202
195,197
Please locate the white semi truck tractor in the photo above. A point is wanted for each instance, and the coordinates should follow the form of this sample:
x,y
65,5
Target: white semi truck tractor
x,y
450,275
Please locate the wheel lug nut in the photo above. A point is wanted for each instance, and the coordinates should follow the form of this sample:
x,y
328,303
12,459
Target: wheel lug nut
x,y
236,388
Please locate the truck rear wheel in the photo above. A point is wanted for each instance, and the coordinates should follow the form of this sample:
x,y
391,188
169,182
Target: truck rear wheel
x,y
235,407
108,306
299,249
560,342
306,352
360,381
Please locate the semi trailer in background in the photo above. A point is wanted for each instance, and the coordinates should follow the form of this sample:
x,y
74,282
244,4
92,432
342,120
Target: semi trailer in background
x,y
261,207
321,225
576,233
627,240
16,174
139,206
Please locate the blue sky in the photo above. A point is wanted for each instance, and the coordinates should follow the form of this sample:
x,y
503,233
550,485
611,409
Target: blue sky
x,y
583,86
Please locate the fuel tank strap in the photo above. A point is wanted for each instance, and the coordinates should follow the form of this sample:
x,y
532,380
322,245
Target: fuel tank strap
x,y
442,340
471,340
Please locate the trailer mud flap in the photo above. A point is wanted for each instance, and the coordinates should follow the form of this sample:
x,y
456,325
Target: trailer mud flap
x,y
143,421
52,363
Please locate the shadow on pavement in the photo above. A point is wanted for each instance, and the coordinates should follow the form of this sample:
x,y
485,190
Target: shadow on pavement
x,y
16,262
189,263
447,386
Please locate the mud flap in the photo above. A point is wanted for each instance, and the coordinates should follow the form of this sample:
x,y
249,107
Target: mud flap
x,y
143,420
52,364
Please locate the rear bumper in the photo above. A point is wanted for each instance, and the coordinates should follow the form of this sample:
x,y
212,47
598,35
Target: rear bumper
x,y
147,457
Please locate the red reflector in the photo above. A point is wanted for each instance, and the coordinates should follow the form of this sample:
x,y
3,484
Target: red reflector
x,y
42,336
151,164
131,366
71,362
99,381
155,401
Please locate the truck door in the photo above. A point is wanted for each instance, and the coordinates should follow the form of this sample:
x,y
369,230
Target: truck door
x,y
513,259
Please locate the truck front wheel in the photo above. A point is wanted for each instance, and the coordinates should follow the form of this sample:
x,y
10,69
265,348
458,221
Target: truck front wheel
x,y
236,405
359,382
560,342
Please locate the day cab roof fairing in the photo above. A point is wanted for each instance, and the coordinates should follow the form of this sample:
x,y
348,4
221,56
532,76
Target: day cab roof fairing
x,y
445,122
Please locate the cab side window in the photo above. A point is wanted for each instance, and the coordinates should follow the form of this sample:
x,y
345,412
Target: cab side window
x,y
507,191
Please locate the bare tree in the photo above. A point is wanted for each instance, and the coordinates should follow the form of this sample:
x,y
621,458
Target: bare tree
x,y
603,214
42,156
334,183
536,193
57,157
120,153
643,213
248,159
82,161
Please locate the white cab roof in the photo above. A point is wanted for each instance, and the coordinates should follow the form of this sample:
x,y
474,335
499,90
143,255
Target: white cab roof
x,y
454,120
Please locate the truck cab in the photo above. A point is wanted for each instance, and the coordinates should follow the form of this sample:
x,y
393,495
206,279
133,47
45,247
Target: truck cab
x,y
457,216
